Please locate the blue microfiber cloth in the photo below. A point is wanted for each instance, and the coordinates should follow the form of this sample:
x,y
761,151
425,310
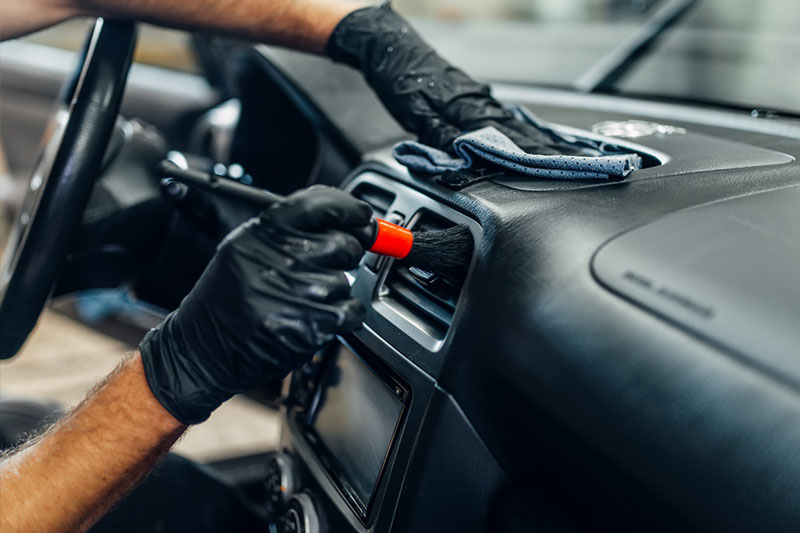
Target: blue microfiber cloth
x,y
599,160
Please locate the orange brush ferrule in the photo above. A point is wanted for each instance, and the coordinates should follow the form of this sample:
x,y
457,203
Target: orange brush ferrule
x,y
392,240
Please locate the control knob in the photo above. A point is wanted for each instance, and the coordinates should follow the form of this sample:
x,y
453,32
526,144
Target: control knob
x,y
281,481
300,516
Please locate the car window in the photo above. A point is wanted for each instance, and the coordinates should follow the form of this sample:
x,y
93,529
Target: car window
x,y
738,53
156,46
735,52
538,42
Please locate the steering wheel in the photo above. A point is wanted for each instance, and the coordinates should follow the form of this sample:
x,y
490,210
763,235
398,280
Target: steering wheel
x,y
68,163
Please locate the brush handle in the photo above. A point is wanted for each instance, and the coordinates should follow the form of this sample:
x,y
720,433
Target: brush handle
x,y
390,239
379,236
218,185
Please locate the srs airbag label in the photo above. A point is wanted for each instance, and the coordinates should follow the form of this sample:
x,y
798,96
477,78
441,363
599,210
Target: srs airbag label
x,y
666,293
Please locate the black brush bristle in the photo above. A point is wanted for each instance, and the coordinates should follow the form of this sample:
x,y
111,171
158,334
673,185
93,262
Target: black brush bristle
x,y
446,252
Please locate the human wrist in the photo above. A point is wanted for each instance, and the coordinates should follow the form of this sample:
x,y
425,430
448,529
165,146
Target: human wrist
x,y
318,19
161,418
173,378
378,28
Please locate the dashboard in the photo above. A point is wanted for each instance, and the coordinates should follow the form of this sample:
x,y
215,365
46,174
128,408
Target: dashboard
x,y
621,355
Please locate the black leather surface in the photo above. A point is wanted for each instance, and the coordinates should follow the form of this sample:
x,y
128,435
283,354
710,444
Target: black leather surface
x,y
559,375
710,436
578,390
68,183
727,271
430,502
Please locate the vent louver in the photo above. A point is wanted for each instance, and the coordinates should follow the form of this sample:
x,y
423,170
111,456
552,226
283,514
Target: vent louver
x,y
379,199
426,299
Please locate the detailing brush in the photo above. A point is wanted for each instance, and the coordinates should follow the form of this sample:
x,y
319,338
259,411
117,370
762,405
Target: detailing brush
x,y
445,252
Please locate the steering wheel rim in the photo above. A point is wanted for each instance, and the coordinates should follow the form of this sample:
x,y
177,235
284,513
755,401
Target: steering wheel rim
x,y
68,163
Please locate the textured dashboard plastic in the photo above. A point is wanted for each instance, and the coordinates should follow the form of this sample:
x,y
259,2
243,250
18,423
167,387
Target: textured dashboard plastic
x,y
727,271
429,502
614,413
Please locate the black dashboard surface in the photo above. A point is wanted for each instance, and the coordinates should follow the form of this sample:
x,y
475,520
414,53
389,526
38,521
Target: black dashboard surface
x,y
727,271
576,388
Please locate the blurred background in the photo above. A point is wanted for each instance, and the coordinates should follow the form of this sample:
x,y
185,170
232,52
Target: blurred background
x,y
737,54
734,53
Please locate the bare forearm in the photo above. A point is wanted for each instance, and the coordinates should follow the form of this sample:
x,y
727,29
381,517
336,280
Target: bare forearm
x,y
301,24
68,478
19,18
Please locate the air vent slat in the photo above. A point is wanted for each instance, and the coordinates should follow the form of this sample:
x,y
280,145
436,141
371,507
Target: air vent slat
x,y
379,199
420,302
447,301
431,303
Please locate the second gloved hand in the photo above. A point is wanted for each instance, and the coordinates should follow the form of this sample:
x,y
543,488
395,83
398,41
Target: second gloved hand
x,y
427,95
274,293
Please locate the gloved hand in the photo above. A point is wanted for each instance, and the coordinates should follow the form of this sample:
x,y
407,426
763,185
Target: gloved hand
x,y
427,95
274,293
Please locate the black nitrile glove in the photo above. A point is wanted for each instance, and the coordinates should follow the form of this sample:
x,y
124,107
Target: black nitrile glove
x,y
427,95
274,293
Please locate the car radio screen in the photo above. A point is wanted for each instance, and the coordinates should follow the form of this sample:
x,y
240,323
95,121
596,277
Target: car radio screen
x,y
356,419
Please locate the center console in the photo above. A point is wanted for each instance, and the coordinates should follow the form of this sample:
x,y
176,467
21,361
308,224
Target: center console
x,y
369,439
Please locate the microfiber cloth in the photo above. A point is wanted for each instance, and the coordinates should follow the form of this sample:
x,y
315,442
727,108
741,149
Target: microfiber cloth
x,y
474,149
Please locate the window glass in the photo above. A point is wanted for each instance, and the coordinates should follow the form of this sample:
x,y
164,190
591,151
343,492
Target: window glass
x,y
735,52
730,52
541,42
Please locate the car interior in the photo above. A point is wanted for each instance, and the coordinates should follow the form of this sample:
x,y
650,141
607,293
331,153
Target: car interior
x,y
621,355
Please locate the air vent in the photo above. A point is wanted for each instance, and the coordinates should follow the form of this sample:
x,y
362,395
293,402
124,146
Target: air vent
x,y
379,199
427,300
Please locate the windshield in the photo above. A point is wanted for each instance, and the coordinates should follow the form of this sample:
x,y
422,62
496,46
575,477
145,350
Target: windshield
x,y
742,53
